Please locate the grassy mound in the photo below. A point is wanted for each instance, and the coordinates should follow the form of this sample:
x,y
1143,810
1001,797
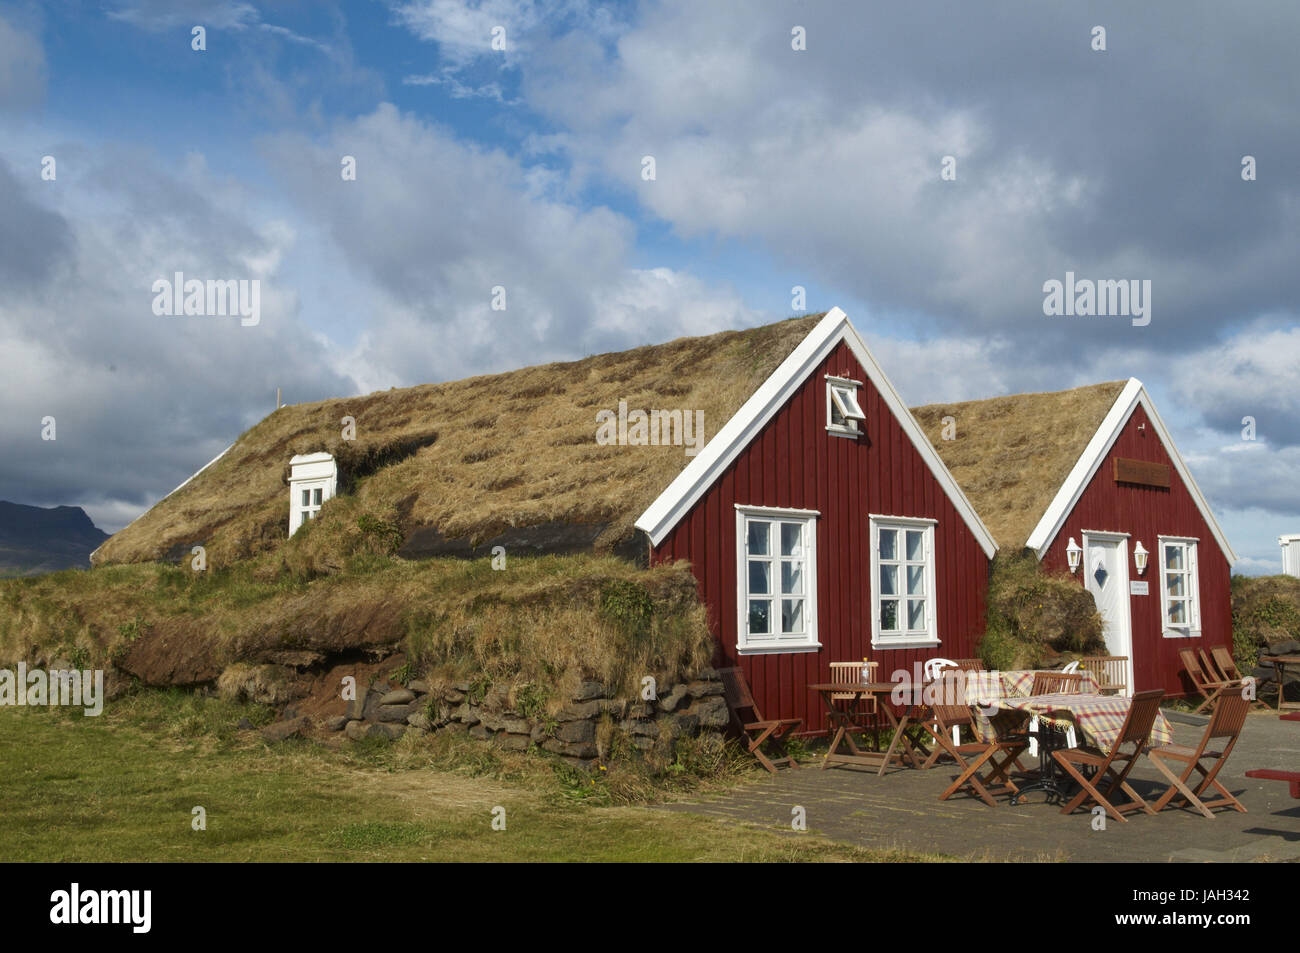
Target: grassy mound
x,y
1034,619
1265,609
551,621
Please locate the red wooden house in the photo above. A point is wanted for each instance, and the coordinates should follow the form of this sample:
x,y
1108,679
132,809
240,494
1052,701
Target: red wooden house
x,y
823,526
1090,481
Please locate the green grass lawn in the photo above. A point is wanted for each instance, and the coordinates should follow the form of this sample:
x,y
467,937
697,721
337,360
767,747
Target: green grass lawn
x,y
122,787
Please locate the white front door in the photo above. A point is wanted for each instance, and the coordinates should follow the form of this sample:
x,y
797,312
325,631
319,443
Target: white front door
x,y
1105,574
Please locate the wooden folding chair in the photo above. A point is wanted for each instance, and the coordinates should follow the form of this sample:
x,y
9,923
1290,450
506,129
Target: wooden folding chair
x,y
1050,683
1207,684
1109,671
1226,722
850,673
947,718
1136,730
1228,670
864,712
969,664
750,724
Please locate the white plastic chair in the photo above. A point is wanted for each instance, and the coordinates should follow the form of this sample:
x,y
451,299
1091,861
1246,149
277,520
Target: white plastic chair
x,y
936,665
1071,668
932,669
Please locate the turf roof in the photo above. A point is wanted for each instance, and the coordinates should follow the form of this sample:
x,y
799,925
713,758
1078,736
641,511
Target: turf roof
x,y
1011,454
471,457
478,456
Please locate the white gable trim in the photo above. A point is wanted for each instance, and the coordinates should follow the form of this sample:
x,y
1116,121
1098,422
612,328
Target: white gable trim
x,y
1067,497
738,432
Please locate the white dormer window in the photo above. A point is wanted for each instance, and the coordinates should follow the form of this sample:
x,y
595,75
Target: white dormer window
x,y
843,412
313,479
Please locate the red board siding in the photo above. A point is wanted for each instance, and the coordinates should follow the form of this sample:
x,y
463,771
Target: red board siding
x,y
1145,513
795,463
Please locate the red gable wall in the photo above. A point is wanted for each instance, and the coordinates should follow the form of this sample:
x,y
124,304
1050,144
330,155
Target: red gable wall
x,y
795,463
1144,513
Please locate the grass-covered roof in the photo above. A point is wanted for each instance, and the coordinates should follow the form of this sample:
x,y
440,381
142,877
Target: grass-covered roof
x,y
1011,454
472,457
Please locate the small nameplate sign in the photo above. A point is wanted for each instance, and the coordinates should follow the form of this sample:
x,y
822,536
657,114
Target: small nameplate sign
x,y
1141,472
1136,588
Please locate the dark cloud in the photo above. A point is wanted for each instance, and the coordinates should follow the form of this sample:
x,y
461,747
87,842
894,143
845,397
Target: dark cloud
x,y
33,239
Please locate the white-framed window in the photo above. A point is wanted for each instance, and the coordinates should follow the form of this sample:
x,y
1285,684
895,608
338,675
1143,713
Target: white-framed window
x,y
1180,587
311,500
313,479
902,582
843,411
776,580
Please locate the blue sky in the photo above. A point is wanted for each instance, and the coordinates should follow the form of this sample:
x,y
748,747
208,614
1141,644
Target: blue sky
x,y
521,167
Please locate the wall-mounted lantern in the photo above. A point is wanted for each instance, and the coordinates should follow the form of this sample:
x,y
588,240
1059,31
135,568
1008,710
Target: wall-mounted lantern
x,y
1074,555
1140,558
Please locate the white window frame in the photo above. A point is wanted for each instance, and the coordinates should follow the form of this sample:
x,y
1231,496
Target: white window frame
x,y
904,639
310,473
770,643
305,512
1193,597
842,395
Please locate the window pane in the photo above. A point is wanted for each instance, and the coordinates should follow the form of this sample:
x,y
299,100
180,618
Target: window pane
x,y
760,577
792,578
306,497
849,401
791,615
915,547
1174,557
1178,613
888,615
916,580
1177,585
759,617
889,544
791,539
837,416
757,538
888,580
306,515
316,496
916,614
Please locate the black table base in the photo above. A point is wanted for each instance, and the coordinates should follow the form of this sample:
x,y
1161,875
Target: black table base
x,y
1055,785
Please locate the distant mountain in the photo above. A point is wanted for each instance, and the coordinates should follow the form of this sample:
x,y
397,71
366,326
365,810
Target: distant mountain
x,y
34,540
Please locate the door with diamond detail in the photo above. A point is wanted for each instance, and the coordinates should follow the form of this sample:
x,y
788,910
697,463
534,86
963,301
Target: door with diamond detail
x,y
1105,574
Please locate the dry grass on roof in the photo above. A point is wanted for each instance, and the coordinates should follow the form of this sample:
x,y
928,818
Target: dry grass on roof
x,y
470,457
1011,454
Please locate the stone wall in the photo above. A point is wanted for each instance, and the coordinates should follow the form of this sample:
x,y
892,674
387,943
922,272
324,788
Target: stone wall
x,y
571,732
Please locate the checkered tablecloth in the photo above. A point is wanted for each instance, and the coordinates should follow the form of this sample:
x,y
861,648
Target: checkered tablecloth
x,y
1098,718
982,688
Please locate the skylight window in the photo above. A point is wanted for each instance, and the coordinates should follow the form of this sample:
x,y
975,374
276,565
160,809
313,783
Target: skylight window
x,y
843,412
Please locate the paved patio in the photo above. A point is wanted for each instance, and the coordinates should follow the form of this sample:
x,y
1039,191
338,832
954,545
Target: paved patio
x,y
903,810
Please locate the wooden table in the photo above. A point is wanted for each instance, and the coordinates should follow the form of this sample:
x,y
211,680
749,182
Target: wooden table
x,y
1280,662
1290,777
844,725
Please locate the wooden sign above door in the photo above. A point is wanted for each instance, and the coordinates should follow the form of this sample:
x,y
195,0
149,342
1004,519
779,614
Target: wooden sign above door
x,y
1141,472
